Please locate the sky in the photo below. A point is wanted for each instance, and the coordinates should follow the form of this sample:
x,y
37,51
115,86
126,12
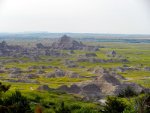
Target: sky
x,y
77,16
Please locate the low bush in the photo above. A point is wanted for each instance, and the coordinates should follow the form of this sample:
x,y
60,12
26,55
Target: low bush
x,y
114,105
62,109
16,103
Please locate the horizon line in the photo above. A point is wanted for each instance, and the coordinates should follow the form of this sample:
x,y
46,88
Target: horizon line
x,y
28,32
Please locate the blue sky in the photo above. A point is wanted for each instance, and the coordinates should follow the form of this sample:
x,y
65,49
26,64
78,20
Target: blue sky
x,y
90,16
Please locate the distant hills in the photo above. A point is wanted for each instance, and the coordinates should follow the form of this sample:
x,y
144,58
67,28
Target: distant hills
x,y
74,35
131,38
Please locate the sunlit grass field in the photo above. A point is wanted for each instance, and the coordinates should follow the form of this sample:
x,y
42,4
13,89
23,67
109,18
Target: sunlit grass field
x,y
137,54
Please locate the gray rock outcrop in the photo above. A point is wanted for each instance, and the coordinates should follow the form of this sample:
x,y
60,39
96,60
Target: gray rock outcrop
x,y
67,43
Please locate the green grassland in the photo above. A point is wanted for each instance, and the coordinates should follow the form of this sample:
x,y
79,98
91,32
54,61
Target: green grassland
x,y
137,54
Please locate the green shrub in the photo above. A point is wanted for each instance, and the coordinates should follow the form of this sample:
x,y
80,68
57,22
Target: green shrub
x,y
3,89
62,109
16,103
75,107
130,109
143,104
86,110
114,105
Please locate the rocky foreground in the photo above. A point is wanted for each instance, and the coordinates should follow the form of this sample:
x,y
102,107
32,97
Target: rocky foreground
x,y
104,84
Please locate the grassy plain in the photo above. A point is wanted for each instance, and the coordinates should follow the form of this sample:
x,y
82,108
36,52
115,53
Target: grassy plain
x,y
137,54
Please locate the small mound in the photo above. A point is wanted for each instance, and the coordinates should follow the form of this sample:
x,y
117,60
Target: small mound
x,y
44,88
107,78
